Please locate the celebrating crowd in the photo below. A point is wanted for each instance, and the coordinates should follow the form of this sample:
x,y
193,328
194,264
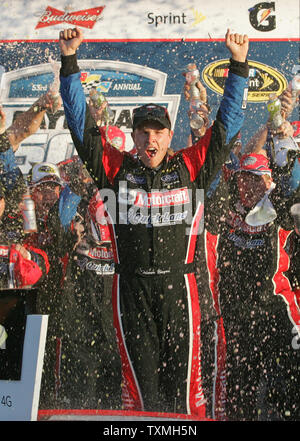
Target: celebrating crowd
x,y
171,279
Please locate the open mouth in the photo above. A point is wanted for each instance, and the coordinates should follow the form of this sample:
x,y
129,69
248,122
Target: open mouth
x,y
151,152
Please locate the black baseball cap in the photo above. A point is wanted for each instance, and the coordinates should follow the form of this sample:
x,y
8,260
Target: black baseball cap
x,y
151,112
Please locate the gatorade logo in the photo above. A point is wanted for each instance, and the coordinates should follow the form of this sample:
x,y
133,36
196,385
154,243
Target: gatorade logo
x,y
262,16
263,79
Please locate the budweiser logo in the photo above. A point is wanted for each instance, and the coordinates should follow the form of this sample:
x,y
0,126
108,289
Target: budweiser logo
x,y
162,199
85,18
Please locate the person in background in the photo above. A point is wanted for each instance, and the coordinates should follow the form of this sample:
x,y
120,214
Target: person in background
x,y
247,220
29,264
45,183
22,266
28,122
90,368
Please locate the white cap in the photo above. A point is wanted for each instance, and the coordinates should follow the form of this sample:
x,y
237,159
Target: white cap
x,y
45,172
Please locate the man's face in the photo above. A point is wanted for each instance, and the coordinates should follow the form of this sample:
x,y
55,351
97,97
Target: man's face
x,y
45,195
252,188
152,141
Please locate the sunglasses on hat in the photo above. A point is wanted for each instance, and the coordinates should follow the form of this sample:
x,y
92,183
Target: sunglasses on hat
x,y
150,112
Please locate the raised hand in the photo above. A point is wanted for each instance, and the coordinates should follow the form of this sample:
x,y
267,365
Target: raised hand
x,y
286,99
238,45
70,40
49,101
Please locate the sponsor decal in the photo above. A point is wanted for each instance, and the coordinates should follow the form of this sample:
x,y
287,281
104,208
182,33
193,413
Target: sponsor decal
x,y
157,20
236,222
141,198
136,179
154,219
85,18
169,19
155,208
171,177
99,268
198,17
262,18
240,242
101,253
144,206
162,198
263,79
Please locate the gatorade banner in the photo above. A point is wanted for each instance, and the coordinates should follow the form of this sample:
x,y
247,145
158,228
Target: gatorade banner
x,y
136,53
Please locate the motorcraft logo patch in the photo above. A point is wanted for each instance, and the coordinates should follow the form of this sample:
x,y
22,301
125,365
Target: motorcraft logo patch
x,y
85,18
162,198
263,79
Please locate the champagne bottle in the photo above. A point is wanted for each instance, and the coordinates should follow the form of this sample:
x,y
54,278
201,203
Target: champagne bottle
x,y
28,212
274,109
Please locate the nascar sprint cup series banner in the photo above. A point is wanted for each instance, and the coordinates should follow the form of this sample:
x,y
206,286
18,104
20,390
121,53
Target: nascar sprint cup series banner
x,y
136,52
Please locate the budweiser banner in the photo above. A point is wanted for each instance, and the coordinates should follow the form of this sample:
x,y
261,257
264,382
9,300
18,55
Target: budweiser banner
x,y
171,19
86,18
135,53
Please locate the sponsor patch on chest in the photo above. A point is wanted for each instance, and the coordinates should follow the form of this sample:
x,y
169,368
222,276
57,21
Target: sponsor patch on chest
x,y
163,198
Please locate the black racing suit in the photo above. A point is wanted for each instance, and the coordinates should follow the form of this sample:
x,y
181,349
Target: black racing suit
x,y
155,217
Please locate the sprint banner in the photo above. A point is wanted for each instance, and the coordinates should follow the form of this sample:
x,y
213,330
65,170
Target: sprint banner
x,y
136,53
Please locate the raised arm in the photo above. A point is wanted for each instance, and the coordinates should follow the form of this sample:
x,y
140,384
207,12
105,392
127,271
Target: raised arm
x,y
231,111
70,86
212,150
238,45
70,40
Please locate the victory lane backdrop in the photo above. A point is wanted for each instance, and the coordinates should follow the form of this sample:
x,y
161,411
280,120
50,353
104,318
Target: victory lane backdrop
x,y
167,57
135,52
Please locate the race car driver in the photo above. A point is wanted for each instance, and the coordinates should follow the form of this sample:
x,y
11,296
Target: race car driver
x,y
154,232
